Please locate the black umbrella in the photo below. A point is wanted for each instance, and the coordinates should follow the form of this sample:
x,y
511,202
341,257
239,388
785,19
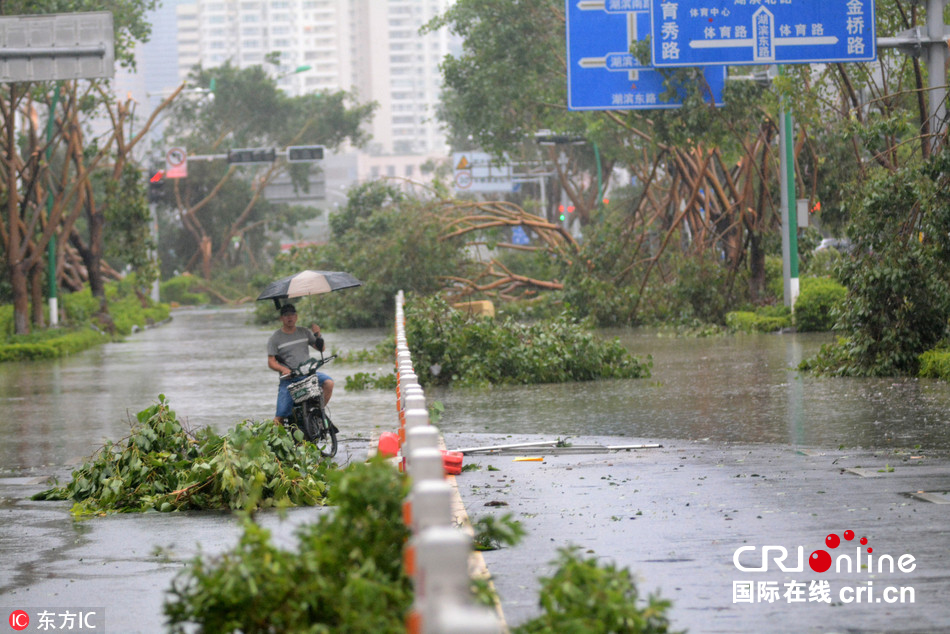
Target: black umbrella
x,y
307,283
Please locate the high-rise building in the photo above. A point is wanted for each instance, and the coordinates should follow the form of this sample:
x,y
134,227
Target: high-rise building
x,y
372,48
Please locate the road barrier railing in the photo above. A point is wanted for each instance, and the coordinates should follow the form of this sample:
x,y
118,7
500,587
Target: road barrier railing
x,y
438,553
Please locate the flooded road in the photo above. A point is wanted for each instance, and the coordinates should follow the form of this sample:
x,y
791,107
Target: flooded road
x,y
736,389
211,366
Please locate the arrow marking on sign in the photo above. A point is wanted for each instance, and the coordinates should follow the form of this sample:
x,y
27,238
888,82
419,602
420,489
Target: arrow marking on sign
x,y
763,46
779,41
629,63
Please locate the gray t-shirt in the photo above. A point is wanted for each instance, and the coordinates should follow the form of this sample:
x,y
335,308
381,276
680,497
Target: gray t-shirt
x,y
292,348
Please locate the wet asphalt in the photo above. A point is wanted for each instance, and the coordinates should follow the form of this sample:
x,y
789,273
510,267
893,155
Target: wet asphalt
x,y
674,516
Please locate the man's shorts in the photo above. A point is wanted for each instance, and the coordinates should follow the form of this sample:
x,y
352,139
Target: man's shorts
x,y
285,403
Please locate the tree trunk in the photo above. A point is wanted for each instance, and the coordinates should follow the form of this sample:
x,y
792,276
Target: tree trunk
x,y
15,264
36,282
21,298
756,266
94,258
205,247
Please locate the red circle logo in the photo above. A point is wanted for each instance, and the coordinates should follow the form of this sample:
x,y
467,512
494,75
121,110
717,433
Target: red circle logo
x,y
19,620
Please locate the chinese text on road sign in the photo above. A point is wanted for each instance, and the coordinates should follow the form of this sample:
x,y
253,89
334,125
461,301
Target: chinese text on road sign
x,y
602,72
704,32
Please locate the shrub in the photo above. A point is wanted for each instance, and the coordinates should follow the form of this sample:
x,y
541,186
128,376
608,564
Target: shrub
x,y
6,321
370,380
50,345
346,574
182,290
815,308
124,303
935,364
453,347
766,319
85,330
584,596
823,263
80,306
774,277
898,301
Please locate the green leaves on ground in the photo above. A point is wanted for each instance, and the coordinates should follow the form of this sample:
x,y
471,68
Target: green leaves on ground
x,y
591,597
492,533
453,347
346,574
161,466
763,319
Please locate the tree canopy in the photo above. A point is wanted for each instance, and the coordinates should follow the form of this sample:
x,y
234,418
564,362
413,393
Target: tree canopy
x,y
222,204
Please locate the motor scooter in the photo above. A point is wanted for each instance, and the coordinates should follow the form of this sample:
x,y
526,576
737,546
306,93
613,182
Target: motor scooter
x,y
310,415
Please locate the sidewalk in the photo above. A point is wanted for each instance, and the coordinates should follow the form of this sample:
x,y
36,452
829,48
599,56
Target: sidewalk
x,y
674,516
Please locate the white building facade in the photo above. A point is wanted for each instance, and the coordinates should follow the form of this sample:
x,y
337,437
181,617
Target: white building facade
x,y
371,48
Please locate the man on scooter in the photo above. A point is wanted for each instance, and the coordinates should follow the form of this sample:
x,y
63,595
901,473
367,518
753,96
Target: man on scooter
x,y
287,348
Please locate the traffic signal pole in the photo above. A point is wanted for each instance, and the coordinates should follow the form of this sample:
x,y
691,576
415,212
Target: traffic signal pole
x,y
936,67
932,42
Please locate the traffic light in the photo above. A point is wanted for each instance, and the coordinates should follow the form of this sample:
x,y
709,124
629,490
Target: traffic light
x,y
156,187
304,153
252,155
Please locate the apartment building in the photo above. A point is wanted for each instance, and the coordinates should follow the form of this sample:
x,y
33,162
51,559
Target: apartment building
x,y
372,48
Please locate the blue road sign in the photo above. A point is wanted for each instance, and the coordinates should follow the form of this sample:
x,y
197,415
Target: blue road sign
x,y
602,74
703,32
519,236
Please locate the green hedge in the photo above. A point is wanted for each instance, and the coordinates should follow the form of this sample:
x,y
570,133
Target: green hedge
x,y
765,319
935,364
54,347
183,291
82,328
814,308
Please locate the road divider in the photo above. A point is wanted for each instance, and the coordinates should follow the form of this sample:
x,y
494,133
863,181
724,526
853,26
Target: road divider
x,y
439,550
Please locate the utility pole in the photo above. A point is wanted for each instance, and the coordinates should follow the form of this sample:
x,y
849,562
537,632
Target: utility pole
x,y
932,42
